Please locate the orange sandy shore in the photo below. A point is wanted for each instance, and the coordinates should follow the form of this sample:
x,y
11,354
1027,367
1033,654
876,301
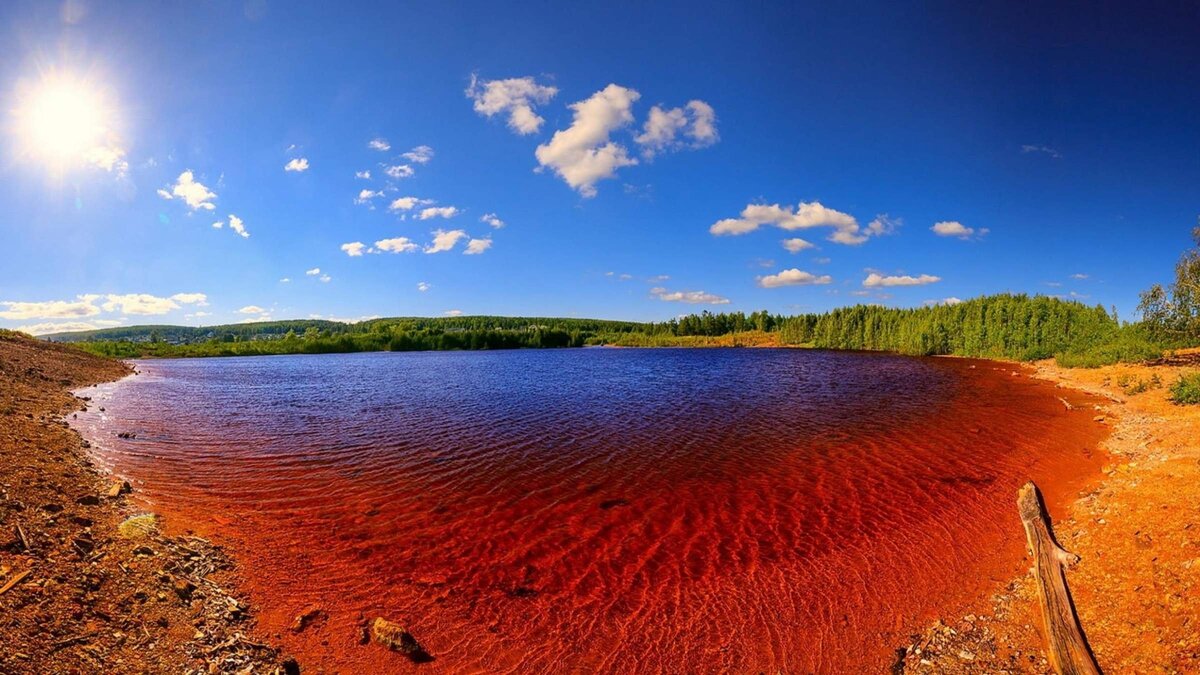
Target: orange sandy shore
x,y
1138,535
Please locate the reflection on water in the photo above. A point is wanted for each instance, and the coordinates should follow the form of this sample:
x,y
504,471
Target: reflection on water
x,y
600,510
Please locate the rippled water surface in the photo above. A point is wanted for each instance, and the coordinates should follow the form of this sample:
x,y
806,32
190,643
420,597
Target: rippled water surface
x,y
600,510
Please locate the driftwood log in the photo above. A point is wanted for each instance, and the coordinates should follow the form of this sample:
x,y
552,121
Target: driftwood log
x,y
1066,646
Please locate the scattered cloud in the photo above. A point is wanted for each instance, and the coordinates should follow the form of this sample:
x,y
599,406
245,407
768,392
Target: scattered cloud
x,y
453,312
795,245
396,245
365,196
146,304
398,171
238,226
478,246
191,191
285,280
438,212
806,215
379,144
407,204
883,225
794,277
65,326
325,278
219,224
953,228
354,249
52,309
313,272
582,154
1042,149
199,299
944,301
694,125
365,175
515,97
423,286
876,280
419,155
298,165
110,156
1079,276
492,219
445,240
252,309
688,297
659,278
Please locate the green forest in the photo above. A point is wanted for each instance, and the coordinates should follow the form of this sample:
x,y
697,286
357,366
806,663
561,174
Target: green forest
x,y
1009,326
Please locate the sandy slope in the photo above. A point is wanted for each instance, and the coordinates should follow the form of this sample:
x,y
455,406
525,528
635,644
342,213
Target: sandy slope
x,y
1138,533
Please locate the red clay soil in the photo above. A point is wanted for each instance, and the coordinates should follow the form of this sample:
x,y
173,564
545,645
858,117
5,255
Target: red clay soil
x,y
1137,533
79,592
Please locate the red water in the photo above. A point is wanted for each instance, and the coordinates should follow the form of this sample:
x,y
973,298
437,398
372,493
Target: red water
x,y
602,510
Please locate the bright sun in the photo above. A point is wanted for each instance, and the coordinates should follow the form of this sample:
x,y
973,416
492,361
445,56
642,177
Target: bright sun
x,y
63,121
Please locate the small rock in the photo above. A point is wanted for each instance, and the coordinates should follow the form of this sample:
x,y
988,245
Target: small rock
x,y
307,617
143,551
290,667
396,638
966,655
119,488
88,500
184,589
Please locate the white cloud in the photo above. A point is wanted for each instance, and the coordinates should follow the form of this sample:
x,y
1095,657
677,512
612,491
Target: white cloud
x,y
236,225
953,228
492,219
285,280
445,240
256,319
423,286
806,215
419,155
796,244
453,312
199,299
515,96
883,224
688,297
398,171
325,278
944,301
109,156
663,128
438,212
659,278
146,304
363,174
354,248
63,327
477,246
53,309
1079,276
197,315
407,203
397,245
313,272
365,196
794,277
299,165
379,144
876,280
582,154
1046,150
252,309
192,192
219,224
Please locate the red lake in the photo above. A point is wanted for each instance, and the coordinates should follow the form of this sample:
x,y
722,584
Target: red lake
x,y
601,510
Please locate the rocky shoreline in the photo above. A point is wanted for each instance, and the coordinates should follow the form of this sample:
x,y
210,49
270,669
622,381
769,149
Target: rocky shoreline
x,y
88,583
1137,532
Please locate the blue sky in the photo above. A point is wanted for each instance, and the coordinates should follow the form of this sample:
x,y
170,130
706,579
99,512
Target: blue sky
x,y
1009,149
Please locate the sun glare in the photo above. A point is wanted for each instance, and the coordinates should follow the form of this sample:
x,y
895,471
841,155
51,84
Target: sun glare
x,y
64,121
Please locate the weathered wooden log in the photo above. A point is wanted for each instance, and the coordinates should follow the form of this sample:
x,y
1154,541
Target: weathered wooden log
x,y
1066,647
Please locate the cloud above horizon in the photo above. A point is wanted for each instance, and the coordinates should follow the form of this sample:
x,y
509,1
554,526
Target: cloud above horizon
x,y
793,277
953,228
195,194
806,215
515,97
688,297
583,154
877,280
85,305
694,125
297,165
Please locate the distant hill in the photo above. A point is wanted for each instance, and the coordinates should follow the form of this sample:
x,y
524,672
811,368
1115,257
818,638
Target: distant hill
x,y
266,330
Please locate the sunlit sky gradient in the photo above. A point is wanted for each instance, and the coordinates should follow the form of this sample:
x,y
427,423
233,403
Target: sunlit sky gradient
x,y
643,162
